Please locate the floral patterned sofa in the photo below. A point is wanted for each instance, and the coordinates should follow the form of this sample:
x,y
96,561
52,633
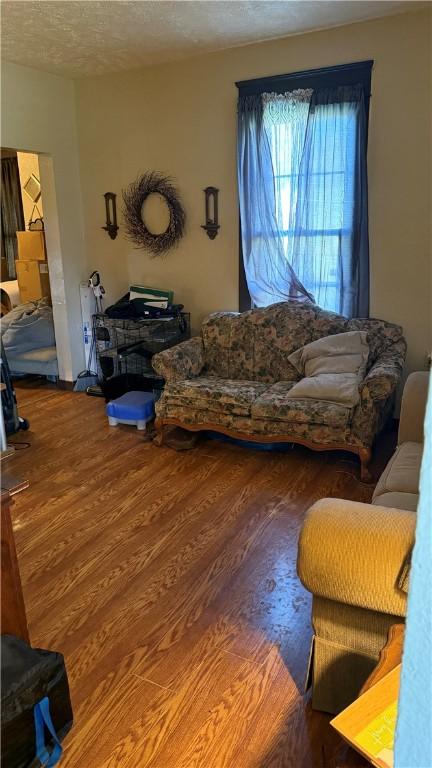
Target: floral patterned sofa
x,y
234,377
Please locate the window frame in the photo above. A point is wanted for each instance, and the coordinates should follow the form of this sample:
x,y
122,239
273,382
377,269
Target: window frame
x,y
354,73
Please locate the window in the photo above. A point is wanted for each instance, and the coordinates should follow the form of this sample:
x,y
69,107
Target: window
x,y
302,188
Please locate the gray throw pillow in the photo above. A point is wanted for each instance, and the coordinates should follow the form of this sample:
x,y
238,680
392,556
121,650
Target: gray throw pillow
x,y
332,368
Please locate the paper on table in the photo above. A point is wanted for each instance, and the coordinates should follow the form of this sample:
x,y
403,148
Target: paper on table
x,y
377,738
369,723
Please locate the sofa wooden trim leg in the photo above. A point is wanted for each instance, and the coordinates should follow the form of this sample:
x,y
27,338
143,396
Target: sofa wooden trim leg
x,y
159,437
365,455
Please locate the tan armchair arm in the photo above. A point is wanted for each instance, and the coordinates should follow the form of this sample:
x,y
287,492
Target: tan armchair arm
x,y
413,407
353,553
183,361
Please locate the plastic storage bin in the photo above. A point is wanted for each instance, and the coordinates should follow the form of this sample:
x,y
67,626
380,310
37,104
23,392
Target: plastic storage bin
x,y
135,408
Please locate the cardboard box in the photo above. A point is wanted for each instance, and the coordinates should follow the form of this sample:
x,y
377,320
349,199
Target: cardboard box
x,y
33,280
31,246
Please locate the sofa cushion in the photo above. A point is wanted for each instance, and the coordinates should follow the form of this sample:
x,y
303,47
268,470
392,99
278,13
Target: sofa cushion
x,y
278,331
333,368
402,473
227,337
339,388
276,404
327,323
339,353
214,394
397,500
255,345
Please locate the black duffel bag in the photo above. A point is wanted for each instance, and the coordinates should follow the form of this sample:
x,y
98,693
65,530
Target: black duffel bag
x,y
36,711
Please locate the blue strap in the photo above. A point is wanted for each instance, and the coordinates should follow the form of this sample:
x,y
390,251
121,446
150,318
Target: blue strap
x,y
43,720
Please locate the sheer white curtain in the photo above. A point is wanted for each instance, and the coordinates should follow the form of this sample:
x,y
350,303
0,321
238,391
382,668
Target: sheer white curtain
x,y
303,197
329,253
285,121
270,277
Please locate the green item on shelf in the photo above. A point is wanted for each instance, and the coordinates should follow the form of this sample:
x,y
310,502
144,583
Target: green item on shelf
x,y
155,296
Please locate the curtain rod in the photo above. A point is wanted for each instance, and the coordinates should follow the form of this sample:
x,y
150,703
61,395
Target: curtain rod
x,y
339,74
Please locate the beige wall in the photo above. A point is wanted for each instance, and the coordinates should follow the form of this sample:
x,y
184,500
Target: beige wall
x,y
39,115
181,118
28,163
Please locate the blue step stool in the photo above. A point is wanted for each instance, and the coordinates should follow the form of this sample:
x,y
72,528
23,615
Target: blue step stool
x,y
136,408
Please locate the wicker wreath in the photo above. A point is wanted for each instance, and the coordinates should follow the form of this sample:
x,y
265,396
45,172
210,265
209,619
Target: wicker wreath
x,y
134,197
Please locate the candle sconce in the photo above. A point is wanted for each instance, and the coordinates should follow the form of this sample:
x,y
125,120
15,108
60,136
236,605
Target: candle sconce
x,y
111,215
211,212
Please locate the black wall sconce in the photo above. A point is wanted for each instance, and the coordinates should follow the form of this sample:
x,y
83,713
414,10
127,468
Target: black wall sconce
x,y
111,215
211,212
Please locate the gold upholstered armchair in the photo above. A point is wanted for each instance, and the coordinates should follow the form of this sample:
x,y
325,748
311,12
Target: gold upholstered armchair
x,y
354,559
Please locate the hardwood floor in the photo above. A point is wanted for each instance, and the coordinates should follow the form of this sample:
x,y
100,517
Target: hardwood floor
x,y
168,580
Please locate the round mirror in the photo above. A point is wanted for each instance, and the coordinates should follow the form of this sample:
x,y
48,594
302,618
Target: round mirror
x,y
155,214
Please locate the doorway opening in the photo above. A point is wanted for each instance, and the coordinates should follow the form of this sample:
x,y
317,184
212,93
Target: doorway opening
x,y
29,321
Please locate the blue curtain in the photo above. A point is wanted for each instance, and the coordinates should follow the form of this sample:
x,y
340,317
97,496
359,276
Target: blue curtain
x,y
303,197
270,277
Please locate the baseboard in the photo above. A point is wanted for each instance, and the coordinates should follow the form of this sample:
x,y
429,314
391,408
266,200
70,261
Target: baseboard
x,y
63,384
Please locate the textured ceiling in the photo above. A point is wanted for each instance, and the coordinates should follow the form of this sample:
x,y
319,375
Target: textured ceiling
x,y
91,37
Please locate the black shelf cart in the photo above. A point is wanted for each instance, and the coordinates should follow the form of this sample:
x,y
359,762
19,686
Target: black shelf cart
x,y
124,350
